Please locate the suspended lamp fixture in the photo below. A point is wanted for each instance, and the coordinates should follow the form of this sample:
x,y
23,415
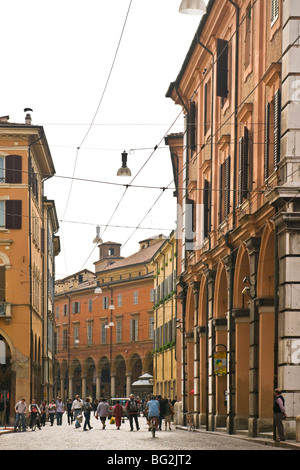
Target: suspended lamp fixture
x,y
124,170
192,7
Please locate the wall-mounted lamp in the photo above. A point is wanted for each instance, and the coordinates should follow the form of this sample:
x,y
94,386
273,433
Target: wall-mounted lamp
x,y
192,7
124,170
246,290
98,289
246,280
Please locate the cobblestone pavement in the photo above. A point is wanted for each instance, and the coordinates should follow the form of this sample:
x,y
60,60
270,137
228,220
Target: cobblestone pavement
x,y
67,437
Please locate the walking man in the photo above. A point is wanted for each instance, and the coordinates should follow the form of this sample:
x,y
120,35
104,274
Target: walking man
x,y
132,410
76,408
59,411
21,409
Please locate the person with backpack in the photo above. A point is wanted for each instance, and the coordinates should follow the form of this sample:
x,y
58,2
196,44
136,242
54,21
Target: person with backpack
x,y
132,410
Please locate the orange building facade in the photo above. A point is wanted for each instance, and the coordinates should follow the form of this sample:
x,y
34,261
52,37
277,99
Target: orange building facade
x,y
237,185
28,246
104,341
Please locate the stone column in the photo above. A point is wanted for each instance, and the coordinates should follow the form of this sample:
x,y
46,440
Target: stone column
x,y
113,384
253,245
128,382
83,387
70,387
62,389
98,386
196,287
210,276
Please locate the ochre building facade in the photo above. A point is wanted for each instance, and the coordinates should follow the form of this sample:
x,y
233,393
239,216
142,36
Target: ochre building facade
x,y
237,185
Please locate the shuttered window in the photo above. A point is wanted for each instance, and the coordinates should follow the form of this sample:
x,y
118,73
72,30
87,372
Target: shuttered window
x,y
267,141
13,214
244,167
13,169
222,68
193,127
272,135
224,190
277,114
206,197
274,10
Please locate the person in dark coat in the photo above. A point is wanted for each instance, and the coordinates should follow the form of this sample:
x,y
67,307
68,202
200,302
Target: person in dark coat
x,y
279,414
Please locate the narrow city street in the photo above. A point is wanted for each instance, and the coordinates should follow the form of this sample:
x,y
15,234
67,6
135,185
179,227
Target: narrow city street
x,y
67,437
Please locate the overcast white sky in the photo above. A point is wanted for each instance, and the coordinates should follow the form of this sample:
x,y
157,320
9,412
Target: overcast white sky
x,y
56,59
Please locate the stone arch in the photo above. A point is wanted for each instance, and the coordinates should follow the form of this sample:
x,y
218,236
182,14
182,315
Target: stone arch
x,y
221,292
242,270
242,338
219,337
266,325
265,271
135,365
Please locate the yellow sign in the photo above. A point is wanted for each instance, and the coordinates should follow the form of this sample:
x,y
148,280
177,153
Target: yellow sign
x,y
220,363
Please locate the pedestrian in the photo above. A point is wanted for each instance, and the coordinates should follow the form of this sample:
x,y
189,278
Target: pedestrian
x,y
132,410
52,411
87,408
44,411
77,410
69,411
95,405
102,411
167,410
2,411
34,412
60,409
161,414
153,411
20,409
279,414
118,413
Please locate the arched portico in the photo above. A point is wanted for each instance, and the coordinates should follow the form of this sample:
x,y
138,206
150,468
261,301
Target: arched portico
x,y
241,313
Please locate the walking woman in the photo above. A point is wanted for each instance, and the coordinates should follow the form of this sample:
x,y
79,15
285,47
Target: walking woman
x,y
118,413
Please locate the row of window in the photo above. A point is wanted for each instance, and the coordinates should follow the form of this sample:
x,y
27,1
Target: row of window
x,y
104,338
245,166
76,305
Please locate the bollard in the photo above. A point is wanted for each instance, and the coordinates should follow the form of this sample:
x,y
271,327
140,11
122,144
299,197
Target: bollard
x,y
298,428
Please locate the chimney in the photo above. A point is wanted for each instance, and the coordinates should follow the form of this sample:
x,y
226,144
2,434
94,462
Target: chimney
x,y
28,116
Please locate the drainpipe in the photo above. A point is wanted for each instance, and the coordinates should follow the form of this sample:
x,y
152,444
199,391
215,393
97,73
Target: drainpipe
x,y
235,106
211,132
30,263
276,309
230,332
183,287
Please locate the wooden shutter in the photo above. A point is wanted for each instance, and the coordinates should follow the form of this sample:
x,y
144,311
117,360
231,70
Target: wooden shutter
x,y
227,187
13,169
192,126
267,141
222,68
246,163
205,109
13,214
206,208
277,113
220,213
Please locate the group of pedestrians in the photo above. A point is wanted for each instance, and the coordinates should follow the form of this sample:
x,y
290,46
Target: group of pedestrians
x,y
79,411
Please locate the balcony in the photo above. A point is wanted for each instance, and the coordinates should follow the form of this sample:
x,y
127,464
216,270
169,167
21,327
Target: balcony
x,y
5,311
